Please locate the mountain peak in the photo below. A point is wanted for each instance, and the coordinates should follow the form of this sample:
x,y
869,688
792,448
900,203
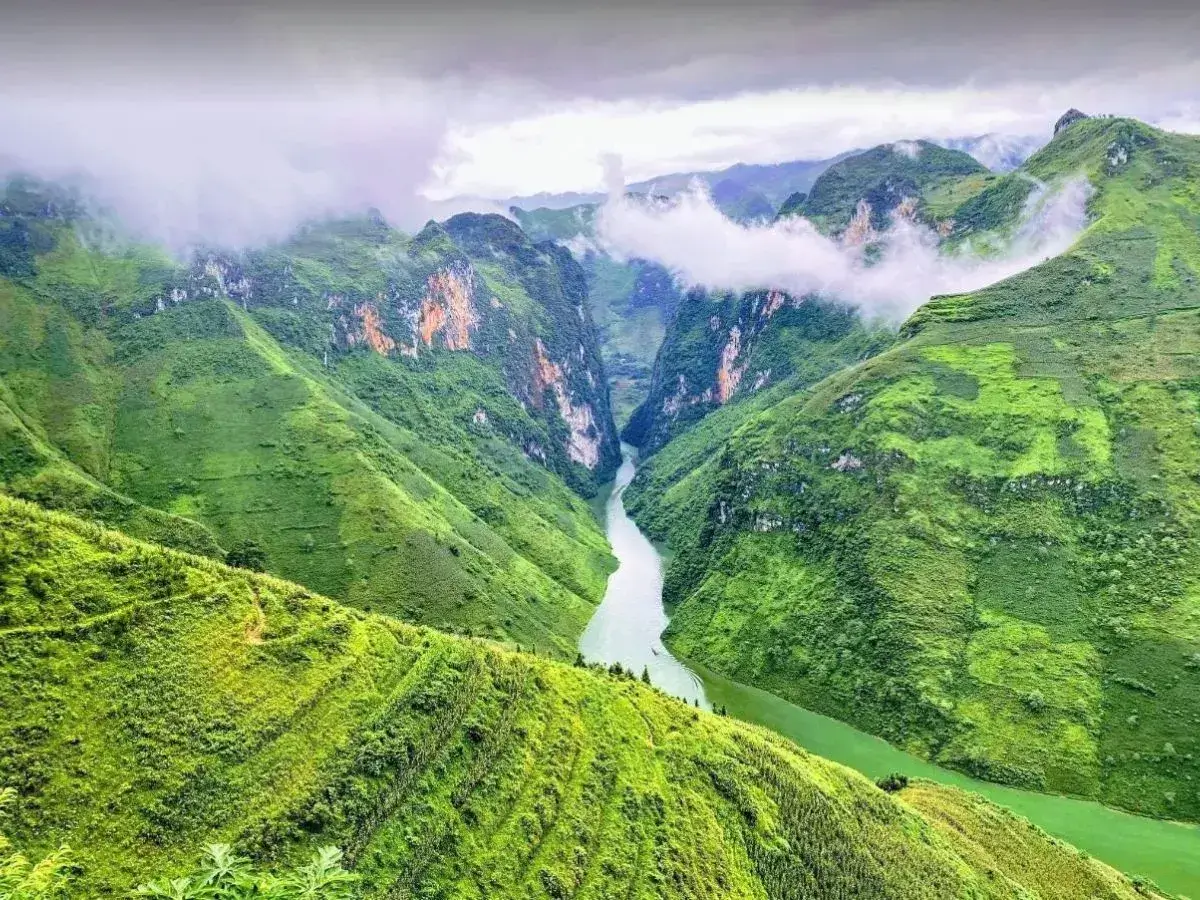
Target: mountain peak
x,y
1069,118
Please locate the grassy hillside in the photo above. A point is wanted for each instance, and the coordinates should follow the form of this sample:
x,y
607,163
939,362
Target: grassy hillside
x,y
399,454
981,544
151,701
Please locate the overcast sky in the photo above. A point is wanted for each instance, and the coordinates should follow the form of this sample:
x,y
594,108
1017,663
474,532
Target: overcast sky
x,y
236,119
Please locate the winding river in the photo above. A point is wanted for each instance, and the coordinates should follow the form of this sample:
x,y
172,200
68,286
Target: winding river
x,y
628,624
627,628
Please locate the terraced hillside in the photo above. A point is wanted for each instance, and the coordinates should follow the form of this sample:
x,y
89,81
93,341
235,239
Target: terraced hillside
x,y
151,701
982,543
395,422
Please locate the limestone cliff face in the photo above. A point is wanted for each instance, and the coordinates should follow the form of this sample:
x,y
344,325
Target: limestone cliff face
x,y
448,308
471,285
720,348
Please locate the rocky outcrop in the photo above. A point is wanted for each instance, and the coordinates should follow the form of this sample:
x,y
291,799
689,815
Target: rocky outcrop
x,y
448,308
584,443
369,331
729,374
1067,119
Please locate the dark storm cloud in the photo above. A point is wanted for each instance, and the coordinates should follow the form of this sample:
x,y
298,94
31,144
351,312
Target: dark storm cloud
x,y
687,49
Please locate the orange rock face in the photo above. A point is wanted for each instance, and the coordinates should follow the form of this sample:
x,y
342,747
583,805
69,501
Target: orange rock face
x,y
729,376
860,230
371,330
449,309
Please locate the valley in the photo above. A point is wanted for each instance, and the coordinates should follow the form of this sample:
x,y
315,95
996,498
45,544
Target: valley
x,y
515,565
626,629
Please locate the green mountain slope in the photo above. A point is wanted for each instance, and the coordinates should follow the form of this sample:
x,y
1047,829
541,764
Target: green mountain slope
x,y
864,189
722,348
391,419
981,543
151,700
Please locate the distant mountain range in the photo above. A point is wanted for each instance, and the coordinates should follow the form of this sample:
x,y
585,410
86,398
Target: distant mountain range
x,y
752,191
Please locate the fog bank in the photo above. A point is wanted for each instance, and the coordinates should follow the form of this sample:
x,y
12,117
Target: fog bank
x,y
694,240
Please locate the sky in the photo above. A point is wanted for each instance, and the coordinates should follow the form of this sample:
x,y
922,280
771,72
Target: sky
x,y
233,121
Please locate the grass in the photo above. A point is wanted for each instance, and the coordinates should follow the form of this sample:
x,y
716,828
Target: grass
x,y
980,543
1161,851
159,700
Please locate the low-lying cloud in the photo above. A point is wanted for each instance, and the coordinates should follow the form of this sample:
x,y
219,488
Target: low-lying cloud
x,y
692,238
233,168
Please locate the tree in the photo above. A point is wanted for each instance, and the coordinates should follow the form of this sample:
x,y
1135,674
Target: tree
x,y
247,554
892,783
645,674
225,876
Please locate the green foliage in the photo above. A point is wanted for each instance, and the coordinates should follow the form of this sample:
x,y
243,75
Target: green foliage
x,y
247,554
223,875
725,348
21,879
892,783
883,177
157,700
201,408
981,543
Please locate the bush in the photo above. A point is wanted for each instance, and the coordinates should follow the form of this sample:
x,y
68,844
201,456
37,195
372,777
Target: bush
x,y
892,783
247,554
225,876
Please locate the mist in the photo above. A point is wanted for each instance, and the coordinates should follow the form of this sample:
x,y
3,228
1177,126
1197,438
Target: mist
x,y
693,239
235,169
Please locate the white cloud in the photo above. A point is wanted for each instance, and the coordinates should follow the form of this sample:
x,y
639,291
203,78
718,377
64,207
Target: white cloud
x,y
558,149
702,247
233,168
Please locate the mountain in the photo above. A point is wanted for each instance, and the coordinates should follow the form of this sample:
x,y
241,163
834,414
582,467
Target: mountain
x,y
151,701
724,347
863,190
631,300
981,543
742,191
396,422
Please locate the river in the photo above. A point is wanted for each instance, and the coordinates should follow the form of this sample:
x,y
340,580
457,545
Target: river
x,y
627,628
628,624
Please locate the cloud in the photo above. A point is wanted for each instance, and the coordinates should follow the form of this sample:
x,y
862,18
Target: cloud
x,y
694,240
234,169
557,149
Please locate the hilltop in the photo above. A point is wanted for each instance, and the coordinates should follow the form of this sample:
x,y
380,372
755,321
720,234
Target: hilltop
x,y
153,700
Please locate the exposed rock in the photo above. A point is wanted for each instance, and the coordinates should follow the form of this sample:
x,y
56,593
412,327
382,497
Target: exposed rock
x,y
370,330
583,446
1067,119
847,462
860,230
729,376
448,308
